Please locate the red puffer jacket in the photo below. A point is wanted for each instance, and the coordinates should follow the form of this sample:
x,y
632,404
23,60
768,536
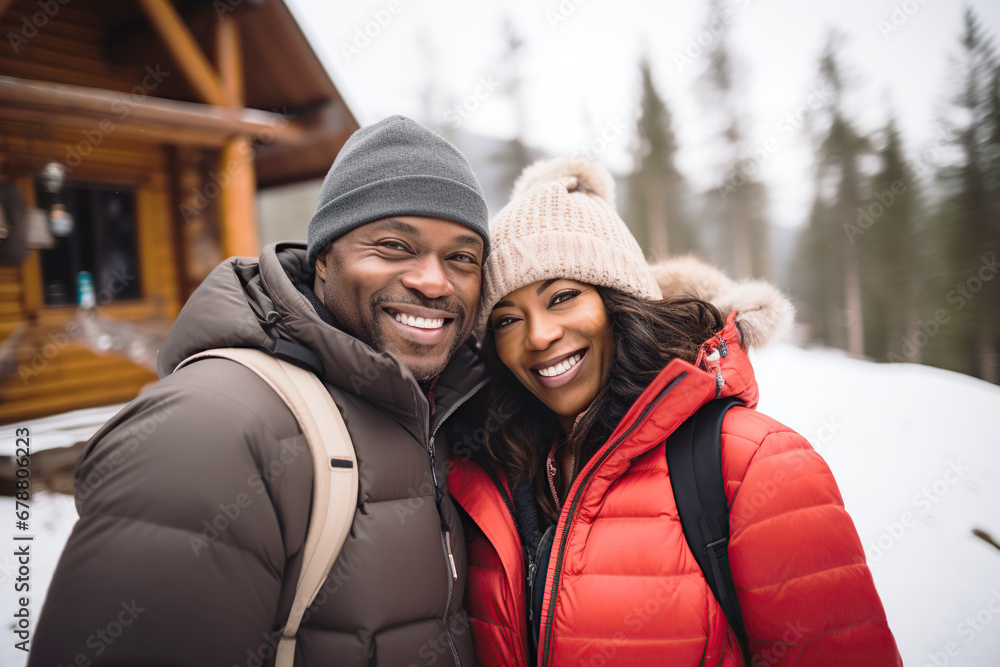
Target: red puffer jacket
x,y
624,589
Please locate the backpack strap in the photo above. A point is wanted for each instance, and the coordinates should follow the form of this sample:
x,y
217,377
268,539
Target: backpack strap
x,y
335,474
694,461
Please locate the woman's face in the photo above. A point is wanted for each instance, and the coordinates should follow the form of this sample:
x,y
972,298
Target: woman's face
x,y
555,337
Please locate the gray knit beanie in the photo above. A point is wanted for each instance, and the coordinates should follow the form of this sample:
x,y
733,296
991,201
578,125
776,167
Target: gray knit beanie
x,y
561,223
396,167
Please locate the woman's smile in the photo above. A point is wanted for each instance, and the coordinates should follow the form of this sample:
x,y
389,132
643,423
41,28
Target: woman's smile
x,y
561,370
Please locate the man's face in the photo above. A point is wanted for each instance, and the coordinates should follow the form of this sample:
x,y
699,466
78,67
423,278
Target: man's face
x,y
407,285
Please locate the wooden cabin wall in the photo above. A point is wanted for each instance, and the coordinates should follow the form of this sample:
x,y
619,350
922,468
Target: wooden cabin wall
x,y
69,48
112,46
54,374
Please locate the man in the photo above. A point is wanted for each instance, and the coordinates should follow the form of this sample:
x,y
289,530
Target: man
x,y
194,499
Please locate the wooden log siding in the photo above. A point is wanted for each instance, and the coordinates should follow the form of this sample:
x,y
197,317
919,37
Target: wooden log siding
x,y
53,373
152,95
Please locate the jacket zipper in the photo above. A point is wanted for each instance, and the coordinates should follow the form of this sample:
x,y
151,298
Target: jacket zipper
x,y
576,500
551,470
532,570
532,562
445,531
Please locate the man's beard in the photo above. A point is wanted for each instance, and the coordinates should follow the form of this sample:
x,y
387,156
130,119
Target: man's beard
x,y
373,334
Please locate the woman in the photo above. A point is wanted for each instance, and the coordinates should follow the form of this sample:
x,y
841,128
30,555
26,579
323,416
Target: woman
x,y
576,555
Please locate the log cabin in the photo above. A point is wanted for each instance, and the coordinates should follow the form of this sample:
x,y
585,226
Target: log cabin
x,y
134,137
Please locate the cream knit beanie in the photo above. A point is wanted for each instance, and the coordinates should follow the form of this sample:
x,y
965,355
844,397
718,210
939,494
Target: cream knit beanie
x,y
561,223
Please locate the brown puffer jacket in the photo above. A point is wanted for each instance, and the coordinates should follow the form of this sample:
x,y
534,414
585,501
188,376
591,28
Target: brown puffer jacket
x,y
194,501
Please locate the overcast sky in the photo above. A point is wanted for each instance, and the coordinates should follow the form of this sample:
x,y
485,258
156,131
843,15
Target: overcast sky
x,y
580,70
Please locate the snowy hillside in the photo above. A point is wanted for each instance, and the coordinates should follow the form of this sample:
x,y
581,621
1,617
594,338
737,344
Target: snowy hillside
x,y
916,453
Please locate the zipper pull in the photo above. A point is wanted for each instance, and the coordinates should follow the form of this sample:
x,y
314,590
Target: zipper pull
x,y
550,470
451,556
532,568
434,468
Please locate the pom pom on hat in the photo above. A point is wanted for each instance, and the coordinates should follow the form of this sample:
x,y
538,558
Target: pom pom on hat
x,y
588,177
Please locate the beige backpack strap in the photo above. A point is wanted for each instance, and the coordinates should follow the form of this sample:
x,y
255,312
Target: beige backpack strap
x,y
335,478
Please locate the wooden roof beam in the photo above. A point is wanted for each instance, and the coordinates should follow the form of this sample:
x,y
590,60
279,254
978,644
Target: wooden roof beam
x,y
185,50
91,106
229,59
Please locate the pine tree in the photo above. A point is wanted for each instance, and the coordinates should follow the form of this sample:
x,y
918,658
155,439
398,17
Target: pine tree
x,y
657,193
739,202
889,258
817,285
827,244
969,223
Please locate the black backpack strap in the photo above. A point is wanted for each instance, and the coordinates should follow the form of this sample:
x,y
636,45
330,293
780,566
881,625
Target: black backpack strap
x,y
694,459
298,354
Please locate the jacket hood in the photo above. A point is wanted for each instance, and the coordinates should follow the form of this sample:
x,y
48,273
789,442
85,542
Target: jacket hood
x,y
764,314
249,302
757,314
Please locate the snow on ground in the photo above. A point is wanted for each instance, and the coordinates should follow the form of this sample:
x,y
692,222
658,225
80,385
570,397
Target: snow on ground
x,y
60,430
51,520
915,451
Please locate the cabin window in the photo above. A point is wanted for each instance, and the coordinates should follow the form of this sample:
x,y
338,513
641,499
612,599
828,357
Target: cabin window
x,y
100,240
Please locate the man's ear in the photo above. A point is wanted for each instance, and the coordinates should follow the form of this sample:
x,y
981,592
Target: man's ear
x,y
321,263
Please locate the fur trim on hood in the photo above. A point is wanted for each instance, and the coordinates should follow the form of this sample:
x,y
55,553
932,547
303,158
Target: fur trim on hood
x,y
764,313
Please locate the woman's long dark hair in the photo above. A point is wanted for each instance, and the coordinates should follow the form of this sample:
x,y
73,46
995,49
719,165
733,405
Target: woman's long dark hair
x,y
647,336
